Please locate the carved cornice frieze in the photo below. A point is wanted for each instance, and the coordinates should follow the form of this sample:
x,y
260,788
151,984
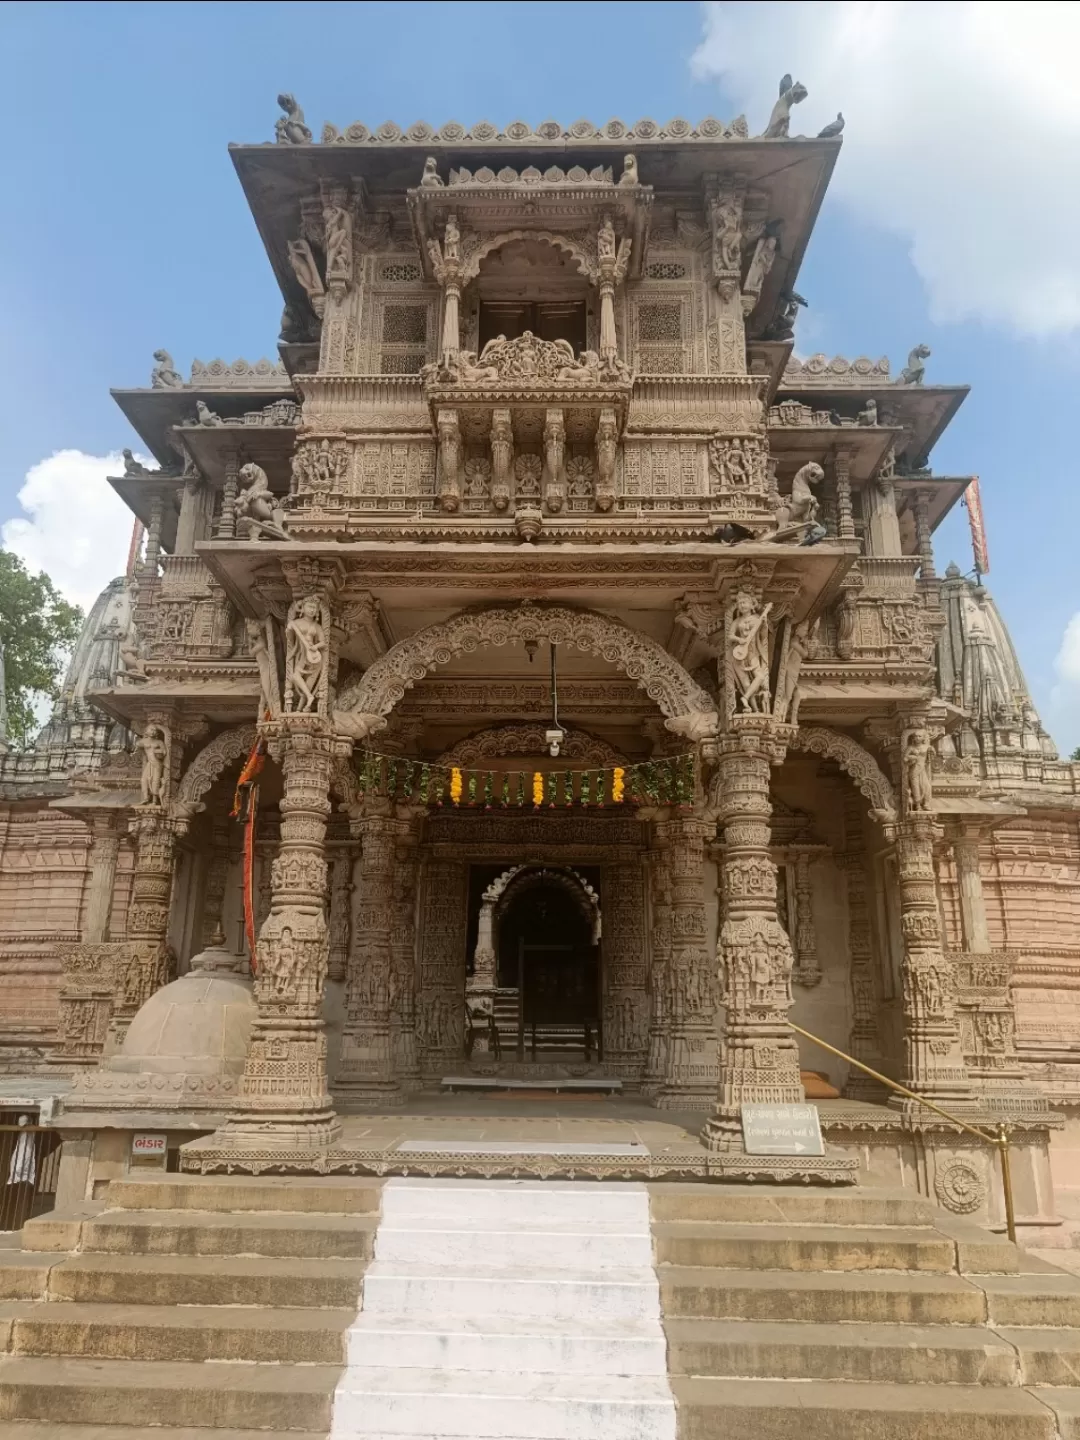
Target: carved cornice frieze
x,y
820,370
550,132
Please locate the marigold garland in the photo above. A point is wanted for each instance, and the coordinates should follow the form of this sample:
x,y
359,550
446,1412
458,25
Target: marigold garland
x,y
455,785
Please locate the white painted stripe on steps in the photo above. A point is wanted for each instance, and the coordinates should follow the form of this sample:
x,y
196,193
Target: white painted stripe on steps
x,y
550,1331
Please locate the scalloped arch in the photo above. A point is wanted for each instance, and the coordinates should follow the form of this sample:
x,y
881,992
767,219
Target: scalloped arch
x,y
638,656
224,750
864,770
528,739
487,247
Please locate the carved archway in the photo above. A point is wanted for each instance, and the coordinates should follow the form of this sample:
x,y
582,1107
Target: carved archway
x,y
859,764
224,750
529,877
585,262
529,739
687,707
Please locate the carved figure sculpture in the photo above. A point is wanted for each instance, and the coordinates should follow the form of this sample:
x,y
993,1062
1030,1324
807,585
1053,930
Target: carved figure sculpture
x,y
833,128
128,650
205,416
788,695
914,371
607,444
780,120
783,327
260,650
305,653
290,129
307,272
132,466
804,505
357,725
761,264
155,753
868,414
727,234
917,770
338,223
165,375
430,177
255,504
605,240
748,652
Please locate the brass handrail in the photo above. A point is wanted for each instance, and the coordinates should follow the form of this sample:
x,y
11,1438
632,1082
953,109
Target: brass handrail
x,y
1000,1141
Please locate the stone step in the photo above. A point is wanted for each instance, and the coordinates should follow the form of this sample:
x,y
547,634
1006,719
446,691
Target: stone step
x,y
1047,1357
822,1410
24,1275
400,1288
1038,1300
530,1202
203,1280
90,1392
193,1232
803,1247
750,1204
881,1297
495,1405
293,1195
507,1343
875,1354
179,1333
576,1244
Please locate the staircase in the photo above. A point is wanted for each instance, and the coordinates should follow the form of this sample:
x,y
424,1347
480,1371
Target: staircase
x,y
228,1309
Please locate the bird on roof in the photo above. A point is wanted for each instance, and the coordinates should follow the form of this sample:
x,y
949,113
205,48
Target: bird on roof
x,y
832,129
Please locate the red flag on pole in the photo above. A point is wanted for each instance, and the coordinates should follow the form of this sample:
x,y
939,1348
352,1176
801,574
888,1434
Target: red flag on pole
x,y
973,501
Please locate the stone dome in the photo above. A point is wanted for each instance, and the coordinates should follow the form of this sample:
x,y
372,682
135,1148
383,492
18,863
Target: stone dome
x,y
198,1025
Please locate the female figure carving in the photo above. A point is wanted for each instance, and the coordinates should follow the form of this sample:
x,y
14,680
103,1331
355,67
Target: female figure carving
x,y
305,641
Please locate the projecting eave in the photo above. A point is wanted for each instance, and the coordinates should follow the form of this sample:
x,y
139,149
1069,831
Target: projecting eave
x,y
795,173
140,493
942,493
922,412
152,414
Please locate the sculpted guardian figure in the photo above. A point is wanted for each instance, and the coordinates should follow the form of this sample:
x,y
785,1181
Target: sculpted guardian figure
x,y
290,129
154,755
780,120
165,375
914,371
255,504
305,653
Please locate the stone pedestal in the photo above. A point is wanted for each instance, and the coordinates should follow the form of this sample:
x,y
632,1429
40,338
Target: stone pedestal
x,y
367,1074
284,1101
759,1059
690,1068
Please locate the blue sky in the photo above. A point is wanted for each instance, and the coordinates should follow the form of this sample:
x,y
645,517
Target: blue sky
x,y
124,228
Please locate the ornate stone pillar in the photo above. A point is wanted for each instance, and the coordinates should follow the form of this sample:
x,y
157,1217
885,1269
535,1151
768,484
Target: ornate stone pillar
x,y
502,458
660,945
366,1072
623,940
759,1059
727,327
226,525
965,847
104,852
923,541
879,507
403,1046
217,870
554,482
152,553
845,522
441,994
341,889
446,265
284,1100
449,433
864,1041
933,1061
611,267
807,967
148,914
690,1072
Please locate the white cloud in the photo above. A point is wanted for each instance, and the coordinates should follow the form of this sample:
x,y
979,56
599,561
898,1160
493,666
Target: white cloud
x,y
1067,663
963,128
1063,714
76,528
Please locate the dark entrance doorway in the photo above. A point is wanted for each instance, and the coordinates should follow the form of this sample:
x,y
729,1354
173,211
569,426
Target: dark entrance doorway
x,y
546,953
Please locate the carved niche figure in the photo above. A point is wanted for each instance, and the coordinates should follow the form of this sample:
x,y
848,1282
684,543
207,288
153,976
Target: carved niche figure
x,y
780,120
255,504
165,375
607,445
260,650
430,178
727,234
132,466
205,416
917,769
915,369
748,652
868,414
305,654
290,129
283,962
128,650
605,240
155,753
788,695
761,973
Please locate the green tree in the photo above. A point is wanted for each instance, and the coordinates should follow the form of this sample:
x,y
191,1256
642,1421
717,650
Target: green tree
x,y
38,630
1075,754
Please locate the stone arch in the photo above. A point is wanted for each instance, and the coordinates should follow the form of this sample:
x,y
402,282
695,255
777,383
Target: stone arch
x,y
582,258
688,709
528,739
527,877
209,763
859,764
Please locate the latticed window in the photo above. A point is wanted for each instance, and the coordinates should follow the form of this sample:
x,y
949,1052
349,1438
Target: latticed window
x,y
666,270
660,338
400,272
403,339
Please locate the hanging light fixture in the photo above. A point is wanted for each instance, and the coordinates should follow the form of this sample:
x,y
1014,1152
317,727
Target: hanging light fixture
x,y
554,735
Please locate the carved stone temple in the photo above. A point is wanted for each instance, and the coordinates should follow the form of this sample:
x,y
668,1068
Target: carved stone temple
x,y
611,706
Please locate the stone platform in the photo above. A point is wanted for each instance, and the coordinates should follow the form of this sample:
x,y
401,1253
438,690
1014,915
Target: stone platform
x,y
516,1136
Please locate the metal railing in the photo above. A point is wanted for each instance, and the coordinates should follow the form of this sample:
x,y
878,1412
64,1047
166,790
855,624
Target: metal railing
x,y
1000,1141
29,1165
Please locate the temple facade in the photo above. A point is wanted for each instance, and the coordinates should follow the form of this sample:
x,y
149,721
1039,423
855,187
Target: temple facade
x,y
585,657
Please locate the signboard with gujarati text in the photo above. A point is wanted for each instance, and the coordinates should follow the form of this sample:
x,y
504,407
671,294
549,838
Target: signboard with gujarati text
x,y
782,1130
